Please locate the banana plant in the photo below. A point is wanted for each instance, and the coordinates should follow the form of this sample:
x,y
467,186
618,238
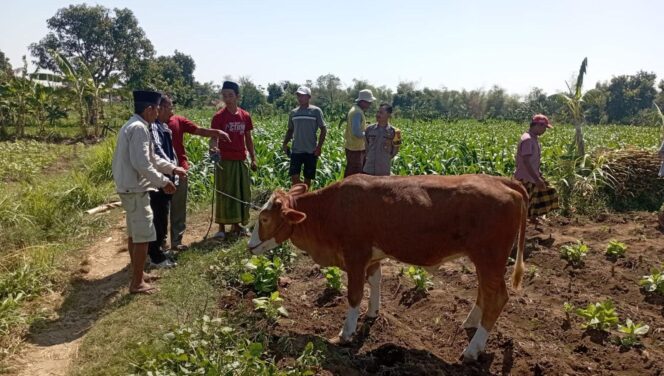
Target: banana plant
x,y
88,92
79,80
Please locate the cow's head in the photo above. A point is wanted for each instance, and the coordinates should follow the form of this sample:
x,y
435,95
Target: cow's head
x,y
276,219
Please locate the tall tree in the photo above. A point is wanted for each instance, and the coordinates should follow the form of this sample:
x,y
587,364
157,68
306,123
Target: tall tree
x,y
5,66
108,42
630,94
251,95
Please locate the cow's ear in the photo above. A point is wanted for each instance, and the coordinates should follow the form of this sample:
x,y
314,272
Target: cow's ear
x,y
298,189
293,216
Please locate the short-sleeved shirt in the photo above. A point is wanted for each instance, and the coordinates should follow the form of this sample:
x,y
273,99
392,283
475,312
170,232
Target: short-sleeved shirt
x,y
236,125
305,122
528,146
380,149
661,154
179,125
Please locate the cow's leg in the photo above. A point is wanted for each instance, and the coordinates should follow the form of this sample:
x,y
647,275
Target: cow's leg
x,y
475,314
494,298
355,291
374,276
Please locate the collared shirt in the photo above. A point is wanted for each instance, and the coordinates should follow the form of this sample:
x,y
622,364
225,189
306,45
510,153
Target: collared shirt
x,y
136,167
380,149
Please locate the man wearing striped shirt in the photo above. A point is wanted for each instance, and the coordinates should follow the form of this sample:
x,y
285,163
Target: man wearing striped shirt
x,y
303,124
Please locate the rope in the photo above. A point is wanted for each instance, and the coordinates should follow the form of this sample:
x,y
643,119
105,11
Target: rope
x,y
214,182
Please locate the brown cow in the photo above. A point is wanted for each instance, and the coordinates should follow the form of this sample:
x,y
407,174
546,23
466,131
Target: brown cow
x,y
419,220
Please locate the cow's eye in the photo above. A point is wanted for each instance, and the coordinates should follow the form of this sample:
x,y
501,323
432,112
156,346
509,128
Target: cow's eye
x,y
263,220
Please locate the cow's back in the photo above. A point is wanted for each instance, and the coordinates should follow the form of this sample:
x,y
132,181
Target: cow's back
x,y
413,217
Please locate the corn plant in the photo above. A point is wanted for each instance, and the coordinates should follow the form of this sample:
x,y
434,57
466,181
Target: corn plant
x,y
263,274
271,306
600,316
615,249
632,332
574,253
654,282
333,277
420,277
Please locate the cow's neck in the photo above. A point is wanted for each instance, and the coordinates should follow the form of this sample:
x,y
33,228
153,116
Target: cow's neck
x,y
311,235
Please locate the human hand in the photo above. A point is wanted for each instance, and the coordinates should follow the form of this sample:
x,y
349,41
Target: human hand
x,y
169,188
181,172
221,135
317,151
541,184
286,150
254,166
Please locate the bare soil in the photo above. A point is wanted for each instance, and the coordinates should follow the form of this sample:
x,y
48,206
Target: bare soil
x,y
418,334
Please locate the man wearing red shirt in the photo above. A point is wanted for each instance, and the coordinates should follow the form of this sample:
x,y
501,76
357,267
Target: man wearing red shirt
x,y
179,125
231,173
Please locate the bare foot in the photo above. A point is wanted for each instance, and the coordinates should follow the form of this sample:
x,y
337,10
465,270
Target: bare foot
x,y
143,288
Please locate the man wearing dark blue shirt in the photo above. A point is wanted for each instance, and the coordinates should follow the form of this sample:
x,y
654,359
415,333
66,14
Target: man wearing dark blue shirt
x,y
159,200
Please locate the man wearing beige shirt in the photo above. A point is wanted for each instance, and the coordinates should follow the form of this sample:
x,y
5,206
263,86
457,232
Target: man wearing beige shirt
x,y
136,171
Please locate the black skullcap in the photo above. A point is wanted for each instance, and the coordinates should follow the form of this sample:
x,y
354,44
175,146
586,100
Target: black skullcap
x,y
145,96
232,86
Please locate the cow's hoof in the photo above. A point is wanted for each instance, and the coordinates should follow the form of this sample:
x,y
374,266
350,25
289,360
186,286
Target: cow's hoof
x,y
340,341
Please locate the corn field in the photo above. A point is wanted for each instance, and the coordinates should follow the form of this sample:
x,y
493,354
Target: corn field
x,y
429,147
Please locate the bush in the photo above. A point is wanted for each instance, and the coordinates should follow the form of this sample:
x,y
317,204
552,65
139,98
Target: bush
x,y
333,277
632,332
263,274
600,316
420,277
615,249
574,253
210,348
654,282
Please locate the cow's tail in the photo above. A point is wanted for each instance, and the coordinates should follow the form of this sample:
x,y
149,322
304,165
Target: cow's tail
x,y
519,266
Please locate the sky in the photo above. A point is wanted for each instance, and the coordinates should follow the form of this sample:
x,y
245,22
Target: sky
x,y
517,45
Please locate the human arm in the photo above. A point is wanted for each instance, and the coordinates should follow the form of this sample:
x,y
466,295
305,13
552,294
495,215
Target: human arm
x,y
323,132
356,125
289,135
140,152
531,171
396,143
213,143
213,134
249,142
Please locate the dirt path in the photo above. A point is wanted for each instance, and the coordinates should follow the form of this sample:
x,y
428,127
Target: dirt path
x,y
101,278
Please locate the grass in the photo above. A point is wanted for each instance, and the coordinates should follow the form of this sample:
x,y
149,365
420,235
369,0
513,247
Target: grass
x,y
23,160
43,220
113,343
42,225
